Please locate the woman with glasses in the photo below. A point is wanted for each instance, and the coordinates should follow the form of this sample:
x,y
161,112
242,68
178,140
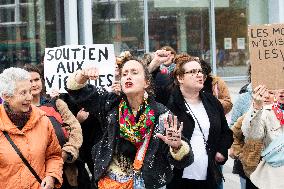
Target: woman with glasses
x,y
205,126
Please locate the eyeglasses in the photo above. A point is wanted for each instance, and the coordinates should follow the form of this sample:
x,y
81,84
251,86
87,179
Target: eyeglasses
x,y
194,71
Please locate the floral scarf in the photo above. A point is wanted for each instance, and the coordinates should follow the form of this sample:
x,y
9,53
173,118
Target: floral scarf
x,y
279,111
135,129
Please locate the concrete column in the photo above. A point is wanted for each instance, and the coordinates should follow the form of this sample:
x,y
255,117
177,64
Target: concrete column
x,y
276,11
31,30
71,22
213,59
182,32
258,12
85,22
146,32
42,30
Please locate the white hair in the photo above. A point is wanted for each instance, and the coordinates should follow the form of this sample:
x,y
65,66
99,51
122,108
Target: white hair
x,y
8,79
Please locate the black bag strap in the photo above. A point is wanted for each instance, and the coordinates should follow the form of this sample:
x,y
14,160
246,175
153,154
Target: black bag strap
x,y
191,112
22,157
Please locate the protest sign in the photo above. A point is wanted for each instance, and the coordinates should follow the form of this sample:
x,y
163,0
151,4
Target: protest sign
x,y
60,62
266,46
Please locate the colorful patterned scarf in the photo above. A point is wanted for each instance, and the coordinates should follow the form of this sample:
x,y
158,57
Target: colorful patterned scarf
x,y
279,111
135,129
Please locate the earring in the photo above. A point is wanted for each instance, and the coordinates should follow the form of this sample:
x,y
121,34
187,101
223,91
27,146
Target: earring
x,y
146,95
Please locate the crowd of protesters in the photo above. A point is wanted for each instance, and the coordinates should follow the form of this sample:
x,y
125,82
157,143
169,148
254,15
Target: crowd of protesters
x,y
163,125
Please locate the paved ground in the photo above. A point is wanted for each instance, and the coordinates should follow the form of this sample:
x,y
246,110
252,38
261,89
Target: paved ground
x,y
232,180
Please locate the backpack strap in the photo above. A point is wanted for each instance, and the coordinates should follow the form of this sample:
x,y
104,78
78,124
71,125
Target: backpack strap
x,y
54,116
22,157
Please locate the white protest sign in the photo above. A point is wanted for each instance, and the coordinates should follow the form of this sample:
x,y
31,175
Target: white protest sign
x,y
60,62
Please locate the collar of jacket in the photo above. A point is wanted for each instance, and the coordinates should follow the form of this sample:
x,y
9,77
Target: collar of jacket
x,y
178,99
7,125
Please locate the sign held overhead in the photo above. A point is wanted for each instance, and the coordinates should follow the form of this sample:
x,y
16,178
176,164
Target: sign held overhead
x,y
60,62
266,46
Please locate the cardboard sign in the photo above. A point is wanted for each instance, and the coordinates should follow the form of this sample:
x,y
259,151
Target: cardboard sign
x,y
59,62
266,46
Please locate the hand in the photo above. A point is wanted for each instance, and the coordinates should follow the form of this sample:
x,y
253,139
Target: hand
x,y
259,94
219,157
173,134
48,182
231,153
54,93
82,115
64,156
162,56
91,73
116,87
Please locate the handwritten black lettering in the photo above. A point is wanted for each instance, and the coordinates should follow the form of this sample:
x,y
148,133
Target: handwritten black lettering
x,y
51,55
58,54
79,65
104,54
75,52
91,53
66,53
61,66
49,82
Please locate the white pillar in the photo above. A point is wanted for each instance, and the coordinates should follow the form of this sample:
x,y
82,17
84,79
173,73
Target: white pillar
x,y
146,32
182,32
276,11
281,11
85,22
213,37
42,30
71,22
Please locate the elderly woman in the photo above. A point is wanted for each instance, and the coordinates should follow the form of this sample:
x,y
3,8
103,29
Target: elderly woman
x,y
265,122
205,126
31,131
132,153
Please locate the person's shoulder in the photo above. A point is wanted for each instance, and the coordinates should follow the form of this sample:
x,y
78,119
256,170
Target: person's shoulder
x,y
158,108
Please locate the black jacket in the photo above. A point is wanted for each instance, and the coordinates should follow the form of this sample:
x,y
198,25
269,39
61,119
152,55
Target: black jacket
x,y
156,170
220,136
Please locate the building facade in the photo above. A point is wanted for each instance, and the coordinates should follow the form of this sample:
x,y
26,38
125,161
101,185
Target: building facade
x,y
215,30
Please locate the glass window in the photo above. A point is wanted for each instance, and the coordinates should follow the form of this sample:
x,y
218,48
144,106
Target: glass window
x,y
231,34
183,26
106,10
7,2
125,29
26,29
7,15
